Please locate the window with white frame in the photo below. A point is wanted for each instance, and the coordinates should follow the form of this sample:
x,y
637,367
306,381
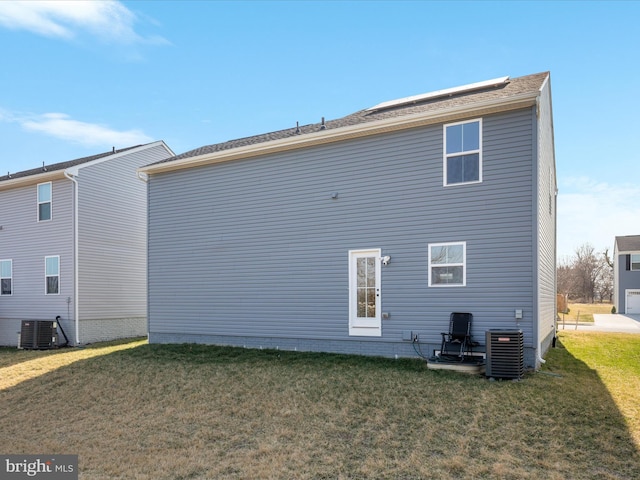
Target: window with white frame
x,y
52,275
6,277
635,261
44,201
447,264
463,152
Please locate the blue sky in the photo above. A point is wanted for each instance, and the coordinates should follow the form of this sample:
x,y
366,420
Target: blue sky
x,y
80,77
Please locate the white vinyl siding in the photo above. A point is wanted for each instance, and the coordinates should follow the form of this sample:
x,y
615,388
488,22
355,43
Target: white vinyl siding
x,y
52,275
44,201
6,277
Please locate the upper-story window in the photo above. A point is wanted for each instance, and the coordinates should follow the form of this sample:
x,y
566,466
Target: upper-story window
x,y
6,277
635,261
463,152
44,201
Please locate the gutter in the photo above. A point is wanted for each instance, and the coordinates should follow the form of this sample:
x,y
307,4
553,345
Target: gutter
x,y
76,283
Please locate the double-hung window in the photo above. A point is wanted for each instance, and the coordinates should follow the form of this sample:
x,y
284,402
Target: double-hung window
x,y
44,201
52,275
6,277
463,152
447,264
635,261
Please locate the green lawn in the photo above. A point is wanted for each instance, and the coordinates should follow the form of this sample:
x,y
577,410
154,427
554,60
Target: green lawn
x,y
583,312
137,411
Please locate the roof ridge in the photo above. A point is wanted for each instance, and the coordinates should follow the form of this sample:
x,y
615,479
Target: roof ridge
x,y
63,165
510,88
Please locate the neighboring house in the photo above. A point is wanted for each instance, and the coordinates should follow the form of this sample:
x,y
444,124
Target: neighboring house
x,y
73,244
354,235
626,274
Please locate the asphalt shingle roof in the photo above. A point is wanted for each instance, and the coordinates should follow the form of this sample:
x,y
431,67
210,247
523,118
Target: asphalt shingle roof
x,y
61,165
513,87
630,243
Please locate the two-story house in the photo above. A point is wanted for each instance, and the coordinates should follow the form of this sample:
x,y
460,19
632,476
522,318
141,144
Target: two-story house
x,y
626,274
359,235
73,245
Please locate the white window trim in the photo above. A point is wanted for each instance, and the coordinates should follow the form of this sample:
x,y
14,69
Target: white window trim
x,y
631,262
463,265
445,155
50,202
10,277
47,276
372,328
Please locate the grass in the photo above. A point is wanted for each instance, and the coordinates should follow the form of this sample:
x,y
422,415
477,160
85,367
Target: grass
x,y
583,312
137,411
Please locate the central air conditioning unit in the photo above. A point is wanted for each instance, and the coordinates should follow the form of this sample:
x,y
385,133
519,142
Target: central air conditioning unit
x,y
505,354
38,334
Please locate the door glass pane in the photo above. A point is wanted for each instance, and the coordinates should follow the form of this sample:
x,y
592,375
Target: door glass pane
x,y
362,302
371,302
371,272
362,272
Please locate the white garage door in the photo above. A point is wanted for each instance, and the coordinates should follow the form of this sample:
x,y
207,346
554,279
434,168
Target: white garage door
x,y
633,302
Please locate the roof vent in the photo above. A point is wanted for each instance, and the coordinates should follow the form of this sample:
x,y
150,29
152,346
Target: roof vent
x,y
322,125
44,169
298,128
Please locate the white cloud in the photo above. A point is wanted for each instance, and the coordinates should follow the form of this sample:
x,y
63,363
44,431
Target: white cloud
x,y
61,126
595,212
107,19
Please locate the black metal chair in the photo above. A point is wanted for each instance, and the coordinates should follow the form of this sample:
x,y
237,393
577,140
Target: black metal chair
x,y
457,342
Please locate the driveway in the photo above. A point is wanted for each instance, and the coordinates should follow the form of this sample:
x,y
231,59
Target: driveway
x,y
607,322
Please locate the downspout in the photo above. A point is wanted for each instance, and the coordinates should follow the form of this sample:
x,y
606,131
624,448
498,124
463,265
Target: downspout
x,y
76,287
143,177
536,280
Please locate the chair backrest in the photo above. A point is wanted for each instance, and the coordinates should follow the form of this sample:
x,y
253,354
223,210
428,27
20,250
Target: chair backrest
x,y
460,325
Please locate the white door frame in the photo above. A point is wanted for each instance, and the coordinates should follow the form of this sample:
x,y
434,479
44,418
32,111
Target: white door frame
x,y
365,325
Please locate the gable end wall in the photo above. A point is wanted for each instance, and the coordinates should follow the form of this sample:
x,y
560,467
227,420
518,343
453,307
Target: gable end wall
x,y
254,252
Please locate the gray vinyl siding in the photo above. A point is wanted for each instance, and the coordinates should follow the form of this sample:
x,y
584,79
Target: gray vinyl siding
x,y
27,242
626,280
255,252
112,233
546,223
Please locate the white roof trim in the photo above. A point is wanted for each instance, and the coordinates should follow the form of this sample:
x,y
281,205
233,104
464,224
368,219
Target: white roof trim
x,y
46,176
484,107
73,171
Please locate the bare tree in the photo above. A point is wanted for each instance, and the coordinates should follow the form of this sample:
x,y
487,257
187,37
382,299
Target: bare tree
x,y
587,275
